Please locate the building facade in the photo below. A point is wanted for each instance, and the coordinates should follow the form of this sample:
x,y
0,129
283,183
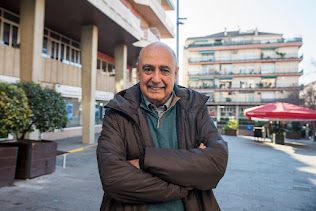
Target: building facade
x,y
238,70
84,49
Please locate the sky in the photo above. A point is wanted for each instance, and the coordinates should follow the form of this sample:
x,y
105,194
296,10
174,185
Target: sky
x,y
292,18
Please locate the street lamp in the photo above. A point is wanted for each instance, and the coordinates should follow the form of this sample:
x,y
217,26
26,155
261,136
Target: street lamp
x,y
178,22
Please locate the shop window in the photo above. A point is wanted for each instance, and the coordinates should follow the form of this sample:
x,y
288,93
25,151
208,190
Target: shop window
x,y
99,112
73,112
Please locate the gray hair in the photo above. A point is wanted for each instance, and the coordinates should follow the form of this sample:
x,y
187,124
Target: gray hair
x,y
158,44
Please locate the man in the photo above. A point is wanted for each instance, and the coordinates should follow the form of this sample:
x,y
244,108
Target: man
x,y
159,149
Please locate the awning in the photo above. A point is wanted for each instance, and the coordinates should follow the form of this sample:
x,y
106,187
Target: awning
x,y
280,111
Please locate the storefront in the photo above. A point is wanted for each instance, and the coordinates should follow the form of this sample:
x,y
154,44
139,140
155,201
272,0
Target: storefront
x,y
72,97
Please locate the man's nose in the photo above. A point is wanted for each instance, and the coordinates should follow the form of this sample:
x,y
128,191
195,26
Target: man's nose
x,y
156,77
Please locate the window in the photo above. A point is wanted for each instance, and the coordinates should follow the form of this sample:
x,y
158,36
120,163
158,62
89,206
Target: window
x,y
61,47
99,111
73,108
105,66
9,28
6,34
14,41
11,17
227,111
45,46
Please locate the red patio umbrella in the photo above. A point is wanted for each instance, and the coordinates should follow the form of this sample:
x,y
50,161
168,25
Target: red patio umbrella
x,y
280,112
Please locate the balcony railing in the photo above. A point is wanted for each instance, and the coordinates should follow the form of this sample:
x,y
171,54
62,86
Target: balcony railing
x,y
246,42
245,88
211,60
254,73
244,101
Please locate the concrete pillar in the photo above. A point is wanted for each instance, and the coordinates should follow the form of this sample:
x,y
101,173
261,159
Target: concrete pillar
x,y
89,48
32,13
120,55
237,112
218,113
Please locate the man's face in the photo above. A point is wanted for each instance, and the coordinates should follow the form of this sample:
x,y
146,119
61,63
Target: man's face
x,y
157,73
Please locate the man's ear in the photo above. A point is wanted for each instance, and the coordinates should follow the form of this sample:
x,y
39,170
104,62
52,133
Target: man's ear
x,y
137,71
177,71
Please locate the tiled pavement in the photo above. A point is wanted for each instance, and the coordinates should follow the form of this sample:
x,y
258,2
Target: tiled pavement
x,y
260,176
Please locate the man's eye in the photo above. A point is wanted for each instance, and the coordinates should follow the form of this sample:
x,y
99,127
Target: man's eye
x,y
148,69
165,71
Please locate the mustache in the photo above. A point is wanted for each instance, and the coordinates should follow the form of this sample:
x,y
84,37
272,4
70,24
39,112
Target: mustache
x,y
156,86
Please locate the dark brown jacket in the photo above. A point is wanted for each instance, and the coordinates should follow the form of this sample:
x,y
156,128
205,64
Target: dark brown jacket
x,y
187,173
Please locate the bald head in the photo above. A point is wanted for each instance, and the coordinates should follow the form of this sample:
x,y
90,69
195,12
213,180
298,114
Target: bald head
x,y
158,46
157,71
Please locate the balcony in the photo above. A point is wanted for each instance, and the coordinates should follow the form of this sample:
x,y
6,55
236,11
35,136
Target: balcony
x,y
150,36
119,13
156,16
243,60
246,42
254,101
259,73
257,87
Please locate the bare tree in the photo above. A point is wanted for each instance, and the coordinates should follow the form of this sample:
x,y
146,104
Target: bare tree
x,y
309,97
294,96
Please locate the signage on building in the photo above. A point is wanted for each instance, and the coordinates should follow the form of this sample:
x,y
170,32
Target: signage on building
x,y
9,79
75,92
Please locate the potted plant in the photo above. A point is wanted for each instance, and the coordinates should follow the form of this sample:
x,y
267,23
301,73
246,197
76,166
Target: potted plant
x,y
231,127
36,158
14,115
294,131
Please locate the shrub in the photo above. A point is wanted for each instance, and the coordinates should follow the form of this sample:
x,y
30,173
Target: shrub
x,y
295,127
48,108
14,110
232,123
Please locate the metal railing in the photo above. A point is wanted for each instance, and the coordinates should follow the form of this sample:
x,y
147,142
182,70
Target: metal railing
x,y
259,73
201,60
246,42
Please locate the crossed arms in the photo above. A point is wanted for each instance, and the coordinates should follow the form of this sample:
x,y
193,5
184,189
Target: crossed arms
x,y
167,174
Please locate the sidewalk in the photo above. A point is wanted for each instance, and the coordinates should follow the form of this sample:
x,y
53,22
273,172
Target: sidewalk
x,y
260,176
74,144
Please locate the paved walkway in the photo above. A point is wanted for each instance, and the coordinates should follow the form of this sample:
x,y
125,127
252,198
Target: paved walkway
x,y
260,176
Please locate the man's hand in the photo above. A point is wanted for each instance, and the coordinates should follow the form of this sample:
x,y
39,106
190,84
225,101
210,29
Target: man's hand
x,y
135,163
202,146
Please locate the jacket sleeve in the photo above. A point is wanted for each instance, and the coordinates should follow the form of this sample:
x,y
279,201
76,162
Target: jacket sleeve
x,y
122,181
198,168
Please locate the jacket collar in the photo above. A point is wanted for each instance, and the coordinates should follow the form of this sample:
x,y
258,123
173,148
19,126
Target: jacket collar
x,y
128,101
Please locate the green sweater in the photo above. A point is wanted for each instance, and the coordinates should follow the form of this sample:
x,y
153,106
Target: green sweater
x,y
163,128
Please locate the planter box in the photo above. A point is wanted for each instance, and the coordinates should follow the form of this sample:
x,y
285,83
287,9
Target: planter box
x,y
8,158
35,158
230,132
293,135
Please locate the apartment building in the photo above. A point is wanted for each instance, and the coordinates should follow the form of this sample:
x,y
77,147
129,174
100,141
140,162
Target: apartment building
x,y
84,49
238,70
308,94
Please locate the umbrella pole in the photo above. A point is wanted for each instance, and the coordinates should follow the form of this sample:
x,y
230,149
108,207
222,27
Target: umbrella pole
x,y
313,132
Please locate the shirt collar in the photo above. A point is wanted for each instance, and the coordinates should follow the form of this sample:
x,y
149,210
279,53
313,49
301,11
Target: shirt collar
x,y
170,102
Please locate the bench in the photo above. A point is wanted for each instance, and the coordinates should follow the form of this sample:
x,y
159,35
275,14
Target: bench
x,y
64,154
